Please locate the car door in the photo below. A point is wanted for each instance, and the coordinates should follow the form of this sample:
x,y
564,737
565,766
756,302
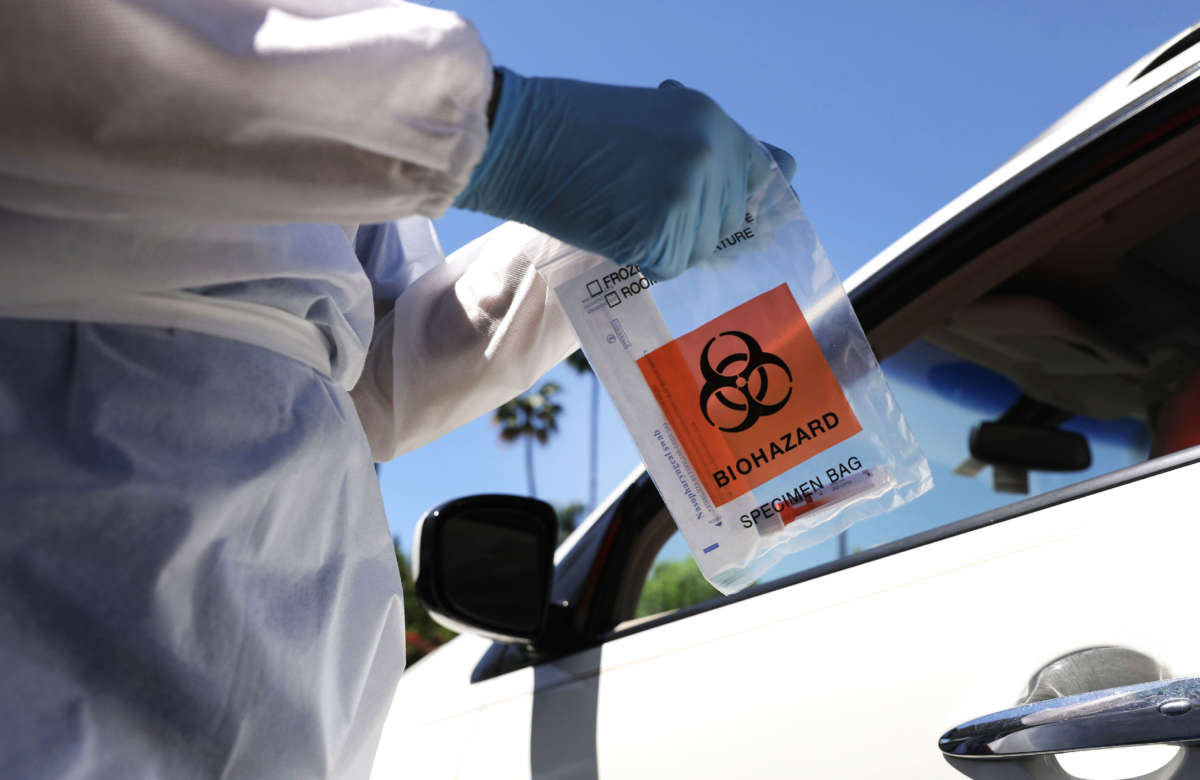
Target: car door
x,y
1066,284
857,673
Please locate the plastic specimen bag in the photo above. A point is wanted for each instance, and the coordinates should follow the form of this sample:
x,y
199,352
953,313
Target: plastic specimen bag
x,y
749,388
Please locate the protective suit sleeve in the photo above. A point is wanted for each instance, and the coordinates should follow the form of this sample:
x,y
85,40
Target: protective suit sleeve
x,y
252,110
464,338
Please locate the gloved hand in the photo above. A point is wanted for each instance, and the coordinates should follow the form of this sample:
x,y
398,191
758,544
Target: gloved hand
x,y
647,176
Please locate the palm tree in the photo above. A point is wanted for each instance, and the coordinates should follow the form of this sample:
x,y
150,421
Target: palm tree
x,y
530,416
577,361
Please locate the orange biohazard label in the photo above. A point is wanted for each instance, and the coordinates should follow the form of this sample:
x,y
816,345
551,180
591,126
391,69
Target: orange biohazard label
x,y
749,394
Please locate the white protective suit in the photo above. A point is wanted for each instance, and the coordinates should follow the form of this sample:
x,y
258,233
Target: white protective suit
x,y
196,578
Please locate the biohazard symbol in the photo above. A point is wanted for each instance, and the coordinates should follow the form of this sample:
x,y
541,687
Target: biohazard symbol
x,y
744,384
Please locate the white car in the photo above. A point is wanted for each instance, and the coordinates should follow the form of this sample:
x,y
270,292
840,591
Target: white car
x,y
1058,299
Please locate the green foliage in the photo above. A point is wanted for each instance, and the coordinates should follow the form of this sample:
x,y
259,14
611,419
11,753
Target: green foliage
x,y
530,415
577,361
674,585
568,518
421,634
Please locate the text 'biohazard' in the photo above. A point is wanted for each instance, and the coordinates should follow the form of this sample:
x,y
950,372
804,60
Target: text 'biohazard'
x,y
749,394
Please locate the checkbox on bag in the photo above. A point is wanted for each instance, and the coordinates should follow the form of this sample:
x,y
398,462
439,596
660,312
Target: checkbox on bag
x,y
612,299
593,288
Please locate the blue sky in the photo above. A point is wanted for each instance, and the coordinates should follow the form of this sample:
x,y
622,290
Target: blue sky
x,y
890,110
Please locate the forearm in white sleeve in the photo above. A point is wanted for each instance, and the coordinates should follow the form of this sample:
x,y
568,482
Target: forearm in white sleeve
x,y
342,111
466,337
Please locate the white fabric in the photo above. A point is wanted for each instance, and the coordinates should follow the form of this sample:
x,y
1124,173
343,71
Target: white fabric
x,y
464,338
408,249
342,111
195,579
252,323
150,147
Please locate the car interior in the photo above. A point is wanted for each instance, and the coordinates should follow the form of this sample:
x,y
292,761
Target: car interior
x,y
1104,320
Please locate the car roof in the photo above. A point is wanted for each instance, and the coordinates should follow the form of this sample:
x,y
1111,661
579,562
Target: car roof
x,y
1175,61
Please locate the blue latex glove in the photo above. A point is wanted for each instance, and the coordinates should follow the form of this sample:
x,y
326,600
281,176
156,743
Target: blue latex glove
x,y
647,176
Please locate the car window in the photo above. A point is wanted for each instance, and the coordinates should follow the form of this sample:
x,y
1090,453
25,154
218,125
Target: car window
x,y
674,582
943,397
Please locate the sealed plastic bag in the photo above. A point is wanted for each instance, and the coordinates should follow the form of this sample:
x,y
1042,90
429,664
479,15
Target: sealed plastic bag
x,y
749,389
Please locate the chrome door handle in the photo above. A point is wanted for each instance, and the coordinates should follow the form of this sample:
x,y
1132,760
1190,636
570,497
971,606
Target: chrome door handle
x,y
1165,711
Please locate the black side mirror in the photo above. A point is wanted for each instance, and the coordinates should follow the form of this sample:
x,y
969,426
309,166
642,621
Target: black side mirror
x,y
484,564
